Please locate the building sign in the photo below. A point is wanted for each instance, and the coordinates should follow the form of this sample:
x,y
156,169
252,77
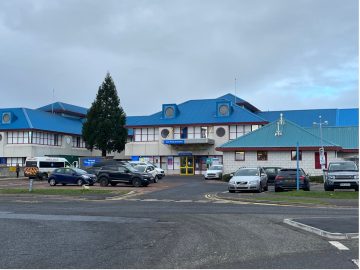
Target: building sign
x,y
185,154
173,141
88,162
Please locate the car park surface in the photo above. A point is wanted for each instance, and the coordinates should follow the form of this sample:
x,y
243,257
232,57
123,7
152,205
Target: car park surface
x,y
173,227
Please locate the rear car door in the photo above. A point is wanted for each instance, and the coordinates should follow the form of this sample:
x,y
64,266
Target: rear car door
x,y
70,178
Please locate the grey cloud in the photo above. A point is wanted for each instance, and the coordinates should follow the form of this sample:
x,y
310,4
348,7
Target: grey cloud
x,y
171,51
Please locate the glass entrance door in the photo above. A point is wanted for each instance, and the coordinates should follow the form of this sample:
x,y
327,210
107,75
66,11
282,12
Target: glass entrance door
x,y
186,165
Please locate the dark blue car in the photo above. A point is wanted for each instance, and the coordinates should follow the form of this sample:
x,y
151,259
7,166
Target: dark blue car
x,y
71,176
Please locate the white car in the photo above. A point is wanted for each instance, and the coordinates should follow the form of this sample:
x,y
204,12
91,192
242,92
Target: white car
x,y
148,169
214,172
160,172
253,178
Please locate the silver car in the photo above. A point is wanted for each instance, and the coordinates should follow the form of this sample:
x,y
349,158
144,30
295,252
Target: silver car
x,y
250,178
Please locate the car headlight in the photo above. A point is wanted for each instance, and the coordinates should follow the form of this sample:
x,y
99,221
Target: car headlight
x,y
253,182
356,176
85,177
331,177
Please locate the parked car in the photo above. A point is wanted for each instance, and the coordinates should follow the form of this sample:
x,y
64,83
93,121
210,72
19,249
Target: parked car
x,y
95,168
148,169
272,173
114,174
286,179
248,178
342,175
160,172
74,176
214,172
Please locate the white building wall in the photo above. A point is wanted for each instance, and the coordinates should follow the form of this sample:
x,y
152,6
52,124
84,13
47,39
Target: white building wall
x,y
276,159
35,150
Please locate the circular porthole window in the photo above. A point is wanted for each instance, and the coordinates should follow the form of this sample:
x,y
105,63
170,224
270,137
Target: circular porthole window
x,y
169,112
224,109
164,133
6,118
220,132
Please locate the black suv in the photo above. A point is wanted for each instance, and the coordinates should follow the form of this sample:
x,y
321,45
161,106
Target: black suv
x,y
114,174
286,179
95,168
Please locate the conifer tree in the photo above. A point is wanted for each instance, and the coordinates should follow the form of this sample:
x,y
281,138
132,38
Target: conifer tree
x,y
104,126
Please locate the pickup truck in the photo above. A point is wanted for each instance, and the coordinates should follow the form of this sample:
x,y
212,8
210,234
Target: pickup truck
x,y
342,175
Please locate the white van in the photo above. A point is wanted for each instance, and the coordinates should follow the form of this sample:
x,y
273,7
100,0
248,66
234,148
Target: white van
x,y
46,165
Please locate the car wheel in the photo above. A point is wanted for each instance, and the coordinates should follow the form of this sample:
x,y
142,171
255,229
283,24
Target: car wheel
x,y
103,182
307,189
136,182
232,191
277,189
266,188
113,184
260,188
91,184
63,184
79,182
156,179
357,189
328,188
220,176
206,178
52,182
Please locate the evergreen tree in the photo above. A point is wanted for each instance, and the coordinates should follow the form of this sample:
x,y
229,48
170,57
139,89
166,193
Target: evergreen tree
x,y
104,127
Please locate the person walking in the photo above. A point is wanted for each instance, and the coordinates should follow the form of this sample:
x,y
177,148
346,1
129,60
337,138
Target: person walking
x,y
17,170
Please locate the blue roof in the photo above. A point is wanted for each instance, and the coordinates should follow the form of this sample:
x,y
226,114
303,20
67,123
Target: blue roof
x,y
265,137
197,112
64,107
38,120
305,118
346,137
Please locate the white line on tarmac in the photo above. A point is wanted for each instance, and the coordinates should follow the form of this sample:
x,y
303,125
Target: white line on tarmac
x,y
356,261
338,245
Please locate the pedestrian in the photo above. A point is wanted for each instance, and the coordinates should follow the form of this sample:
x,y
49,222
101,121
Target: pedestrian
x,y
17,170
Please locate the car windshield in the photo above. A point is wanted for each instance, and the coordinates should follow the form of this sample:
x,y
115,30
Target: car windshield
x,y
342,167
270,170
79,171
247,172
219,168
140,168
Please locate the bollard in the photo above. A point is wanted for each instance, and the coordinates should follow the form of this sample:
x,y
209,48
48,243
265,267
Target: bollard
x,y
30,184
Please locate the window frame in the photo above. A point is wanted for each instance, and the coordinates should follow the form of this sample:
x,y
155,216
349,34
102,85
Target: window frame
x,y
264,152
236,155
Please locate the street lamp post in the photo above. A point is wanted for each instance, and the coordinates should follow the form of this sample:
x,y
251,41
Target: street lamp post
x,y
321,150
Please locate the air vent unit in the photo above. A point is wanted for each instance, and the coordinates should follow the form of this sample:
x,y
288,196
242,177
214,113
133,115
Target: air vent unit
x,y
169,111
6,118
223,108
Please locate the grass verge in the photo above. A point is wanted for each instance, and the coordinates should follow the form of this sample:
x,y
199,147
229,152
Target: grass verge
x,y
321,194
65,192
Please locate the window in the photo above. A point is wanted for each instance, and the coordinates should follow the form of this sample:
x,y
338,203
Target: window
x,y
18,137
44,138
184,133
293,155
236,131
203,132
78,142
262,155
49,164
240,156
12,161
146,134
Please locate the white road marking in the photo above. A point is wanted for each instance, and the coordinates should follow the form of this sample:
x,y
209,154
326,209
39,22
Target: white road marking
x,y
338,245
184,201
220,202
150,200
356,261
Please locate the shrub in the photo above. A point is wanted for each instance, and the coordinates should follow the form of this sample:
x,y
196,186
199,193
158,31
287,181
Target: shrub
x,y
226,177
317,179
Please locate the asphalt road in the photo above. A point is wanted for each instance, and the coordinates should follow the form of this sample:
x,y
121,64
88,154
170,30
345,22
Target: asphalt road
x,y
170,228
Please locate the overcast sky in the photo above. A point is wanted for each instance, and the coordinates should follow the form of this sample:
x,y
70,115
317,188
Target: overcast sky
x,y
285,54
